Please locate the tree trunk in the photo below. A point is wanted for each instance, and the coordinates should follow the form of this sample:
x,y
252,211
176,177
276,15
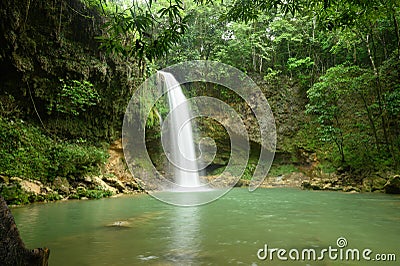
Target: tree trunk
x,y
12,249
371,121
378,91
371,58
396,27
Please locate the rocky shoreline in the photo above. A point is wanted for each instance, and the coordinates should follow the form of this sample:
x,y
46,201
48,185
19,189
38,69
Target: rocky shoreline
x,y
93,187
389,185
328,182
89,187
114,178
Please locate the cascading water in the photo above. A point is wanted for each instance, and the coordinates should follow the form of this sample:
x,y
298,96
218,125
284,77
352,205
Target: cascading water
x,y
181,151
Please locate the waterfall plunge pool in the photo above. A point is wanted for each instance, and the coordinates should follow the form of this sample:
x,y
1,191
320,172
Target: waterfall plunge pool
x,y
139,229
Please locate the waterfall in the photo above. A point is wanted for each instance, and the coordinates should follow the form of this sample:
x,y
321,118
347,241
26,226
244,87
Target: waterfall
x,y
181,151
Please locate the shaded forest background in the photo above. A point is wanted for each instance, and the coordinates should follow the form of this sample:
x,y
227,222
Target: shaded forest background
x,y
329,69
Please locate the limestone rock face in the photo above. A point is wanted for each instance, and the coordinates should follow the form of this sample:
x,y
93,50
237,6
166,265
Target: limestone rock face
x,y
29,186
113,181
332,183
99,183
116,172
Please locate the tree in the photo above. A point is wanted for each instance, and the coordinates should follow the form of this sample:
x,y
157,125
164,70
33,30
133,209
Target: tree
x,y
12,249
144,30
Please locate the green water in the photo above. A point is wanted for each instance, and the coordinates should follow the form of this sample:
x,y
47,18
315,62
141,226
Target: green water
x,y
228,231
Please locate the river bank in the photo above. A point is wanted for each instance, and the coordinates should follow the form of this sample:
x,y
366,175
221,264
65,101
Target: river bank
x,y
114,179
96,187
330,182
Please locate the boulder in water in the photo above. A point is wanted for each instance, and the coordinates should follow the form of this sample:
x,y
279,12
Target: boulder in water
x,y
119,224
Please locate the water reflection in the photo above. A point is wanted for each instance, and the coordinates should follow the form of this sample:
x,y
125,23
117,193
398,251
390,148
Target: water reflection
x,y
190,198
185,238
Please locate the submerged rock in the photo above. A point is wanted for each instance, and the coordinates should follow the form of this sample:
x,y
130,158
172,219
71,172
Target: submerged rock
x,y
119,224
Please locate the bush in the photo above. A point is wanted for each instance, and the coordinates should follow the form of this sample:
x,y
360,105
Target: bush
x,y
74,97
277,170
90,193
13,194
28,153
72,160
22,150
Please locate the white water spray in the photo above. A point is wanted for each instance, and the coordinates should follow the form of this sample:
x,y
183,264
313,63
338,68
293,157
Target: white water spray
x,y
181,148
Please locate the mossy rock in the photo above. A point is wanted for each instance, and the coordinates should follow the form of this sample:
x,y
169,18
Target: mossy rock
x,y
61,185
392,186
4,179
374,183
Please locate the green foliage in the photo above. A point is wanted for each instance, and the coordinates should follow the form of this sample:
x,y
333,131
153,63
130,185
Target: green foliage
x,y
8,106
278,170
272,75
326,167
144,30
90,193
27,153
202,36
74,97
74,160
324,100
21,150
299,64
13,194
347,107
331,99
343,56
392,100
